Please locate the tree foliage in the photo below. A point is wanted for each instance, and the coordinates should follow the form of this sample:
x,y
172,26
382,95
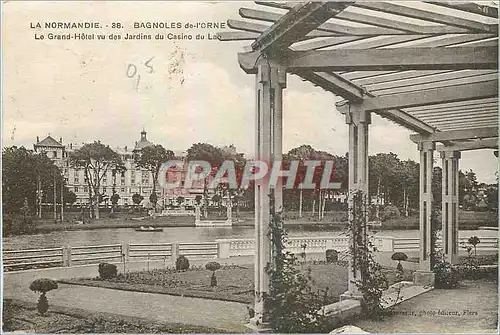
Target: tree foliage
x,y
96,159
151,158
20,173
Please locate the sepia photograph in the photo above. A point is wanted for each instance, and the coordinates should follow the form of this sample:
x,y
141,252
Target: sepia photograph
x,y
249,167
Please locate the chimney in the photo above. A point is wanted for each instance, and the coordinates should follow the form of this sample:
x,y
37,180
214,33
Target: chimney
x,y
37,139
71,145
60,140
125,148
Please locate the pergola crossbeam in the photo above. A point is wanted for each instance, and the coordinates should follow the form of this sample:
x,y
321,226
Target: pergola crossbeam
x,y
433,96
406,120
333,83
382,26
456,58
396,9
426,77
473,8
478,133
300,20
491,143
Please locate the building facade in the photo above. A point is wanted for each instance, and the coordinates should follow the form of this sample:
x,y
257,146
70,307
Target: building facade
x,y
133,180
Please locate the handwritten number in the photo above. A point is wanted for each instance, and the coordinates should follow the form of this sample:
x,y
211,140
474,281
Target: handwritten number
x,y
132,71
138,79
131,66
150,67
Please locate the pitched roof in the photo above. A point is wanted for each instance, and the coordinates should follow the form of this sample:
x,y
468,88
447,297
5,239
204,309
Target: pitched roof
x,y
49,142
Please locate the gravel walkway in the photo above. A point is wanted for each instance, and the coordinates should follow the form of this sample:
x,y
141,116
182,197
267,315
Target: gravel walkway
x,y
471,308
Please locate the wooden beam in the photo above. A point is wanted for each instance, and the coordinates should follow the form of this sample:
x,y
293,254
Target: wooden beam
x,y
468,7
436,83
464,104
456,112
456,58
457,135
261,28
491,143
334,83
299,21
237,36
474,117
411,78
433,96
381,25
392,8
406,120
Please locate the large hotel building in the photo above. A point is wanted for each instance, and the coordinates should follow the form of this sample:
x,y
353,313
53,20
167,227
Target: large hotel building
x,y
133,180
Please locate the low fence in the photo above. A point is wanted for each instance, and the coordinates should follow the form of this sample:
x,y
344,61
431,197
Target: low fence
x,y
223,249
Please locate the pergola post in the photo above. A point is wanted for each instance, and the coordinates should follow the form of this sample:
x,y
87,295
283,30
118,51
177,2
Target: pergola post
x,y
449,210
425,275
358,120
270,80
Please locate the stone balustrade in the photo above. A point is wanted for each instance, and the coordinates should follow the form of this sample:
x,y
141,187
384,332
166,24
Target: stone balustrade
x,y
220,249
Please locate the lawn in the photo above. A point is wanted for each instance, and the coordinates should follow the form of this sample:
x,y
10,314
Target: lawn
x,y
23,317
235,283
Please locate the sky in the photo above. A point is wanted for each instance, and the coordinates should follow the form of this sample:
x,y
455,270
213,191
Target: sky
x,y
81,91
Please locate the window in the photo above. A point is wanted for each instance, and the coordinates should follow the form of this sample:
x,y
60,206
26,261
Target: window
x,y
123,175
54,154
76,189
123,189
104,180
85,189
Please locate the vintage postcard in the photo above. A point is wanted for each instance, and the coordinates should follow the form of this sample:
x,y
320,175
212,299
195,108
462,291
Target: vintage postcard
x,y
249,167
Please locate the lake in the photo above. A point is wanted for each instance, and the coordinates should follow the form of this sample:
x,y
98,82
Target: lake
x,y
177,234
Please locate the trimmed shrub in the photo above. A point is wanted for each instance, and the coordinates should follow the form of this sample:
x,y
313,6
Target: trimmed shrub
x,y
332,256
399,256
213,266
182,263
107,271
43,285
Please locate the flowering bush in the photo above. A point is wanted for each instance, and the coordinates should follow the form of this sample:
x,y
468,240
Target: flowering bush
x,y
446,275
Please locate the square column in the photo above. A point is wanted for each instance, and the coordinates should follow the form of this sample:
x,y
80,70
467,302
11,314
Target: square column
x,y
424,275
449,212
358,120
270,81
426,171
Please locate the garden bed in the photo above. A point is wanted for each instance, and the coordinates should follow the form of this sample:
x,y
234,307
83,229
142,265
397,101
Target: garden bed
x,y
23,316
235,283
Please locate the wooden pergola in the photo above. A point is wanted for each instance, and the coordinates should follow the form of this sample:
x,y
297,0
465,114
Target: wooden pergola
x,y
430,67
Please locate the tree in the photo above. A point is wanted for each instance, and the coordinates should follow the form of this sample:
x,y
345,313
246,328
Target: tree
x,y
207,153
137,198
96,159
151,158
22,170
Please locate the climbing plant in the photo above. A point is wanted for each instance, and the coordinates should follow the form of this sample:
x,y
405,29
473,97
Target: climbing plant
x,y
370,279
294,307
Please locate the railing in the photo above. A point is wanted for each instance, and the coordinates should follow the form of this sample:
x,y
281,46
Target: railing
x,y
20,259
222,249
199,250
94,254
150,251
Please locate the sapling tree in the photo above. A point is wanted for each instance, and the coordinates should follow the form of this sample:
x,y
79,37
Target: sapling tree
x,y
43,285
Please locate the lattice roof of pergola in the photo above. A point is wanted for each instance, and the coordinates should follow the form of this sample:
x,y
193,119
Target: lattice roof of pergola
x,y
428,66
